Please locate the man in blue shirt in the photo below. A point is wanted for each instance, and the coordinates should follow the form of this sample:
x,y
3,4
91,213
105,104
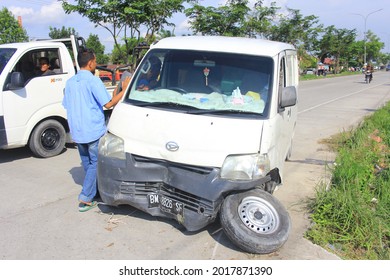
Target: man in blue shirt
x,y
84,99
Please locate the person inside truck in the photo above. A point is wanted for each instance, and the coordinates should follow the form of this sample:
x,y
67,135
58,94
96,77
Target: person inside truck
x,y
45,67
150,79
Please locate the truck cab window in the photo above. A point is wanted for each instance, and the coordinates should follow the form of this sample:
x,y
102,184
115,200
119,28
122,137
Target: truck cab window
x,y
5,55
29,64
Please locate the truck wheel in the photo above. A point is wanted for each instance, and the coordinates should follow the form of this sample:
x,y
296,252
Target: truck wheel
x,y
255,221
47,139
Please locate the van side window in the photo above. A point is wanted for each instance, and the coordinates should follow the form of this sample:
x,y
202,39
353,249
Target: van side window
x,y
282,75
288,73
291,70
282,80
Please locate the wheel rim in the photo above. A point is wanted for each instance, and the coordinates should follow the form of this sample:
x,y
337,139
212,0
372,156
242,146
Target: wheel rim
x,y
258,215
50,138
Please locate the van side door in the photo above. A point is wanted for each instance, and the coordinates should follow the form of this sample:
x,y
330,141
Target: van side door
x,y
288,77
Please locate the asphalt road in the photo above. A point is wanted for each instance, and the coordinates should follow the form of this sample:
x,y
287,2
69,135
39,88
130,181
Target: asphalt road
x,y
39,218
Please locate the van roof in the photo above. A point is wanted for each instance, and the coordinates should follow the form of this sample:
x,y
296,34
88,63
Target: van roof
x,y
250,46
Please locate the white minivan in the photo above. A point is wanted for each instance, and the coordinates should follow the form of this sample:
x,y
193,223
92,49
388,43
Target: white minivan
x,y
203,132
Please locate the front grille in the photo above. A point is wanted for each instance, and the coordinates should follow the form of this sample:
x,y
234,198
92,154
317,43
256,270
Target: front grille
x,y
191,202
192,168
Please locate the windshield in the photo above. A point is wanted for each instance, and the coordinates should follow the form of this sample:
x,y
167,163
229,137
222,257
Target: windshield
x,y
203,82
5,55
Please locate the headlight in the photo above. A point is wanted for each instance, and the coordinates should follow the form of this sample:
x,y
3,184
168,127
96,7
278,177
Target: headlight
x,y
112,146
245,167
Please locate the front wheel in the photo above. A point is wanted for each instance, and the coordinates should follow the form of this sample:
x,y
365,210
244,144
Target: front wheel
x,y
48,139
255,221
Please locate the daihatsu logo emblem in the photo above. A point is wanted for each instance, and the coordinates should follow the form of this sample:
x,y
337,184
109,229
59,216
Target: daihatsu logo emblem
x,y
172,146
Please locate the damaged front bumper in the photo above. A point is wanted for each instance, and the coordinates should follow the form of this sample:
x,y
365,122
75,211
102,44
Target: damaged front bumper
x,y
191,195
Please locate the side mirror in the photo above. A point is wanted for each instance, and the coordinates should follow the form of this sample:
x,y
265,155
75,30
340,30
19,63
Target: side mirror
x,y
289,97
17,81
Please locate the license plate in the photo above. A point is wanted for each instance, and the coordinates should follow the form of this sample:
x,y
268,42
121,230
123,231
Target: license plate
x,y
166,204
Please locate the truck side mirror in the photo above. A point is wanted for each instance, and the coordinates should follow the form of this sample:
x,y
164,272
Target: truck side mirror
x,y
17,81
289,97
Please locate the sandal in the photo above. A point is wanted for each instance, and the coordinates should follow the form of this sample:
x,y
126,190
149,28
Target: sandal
x,y
85,206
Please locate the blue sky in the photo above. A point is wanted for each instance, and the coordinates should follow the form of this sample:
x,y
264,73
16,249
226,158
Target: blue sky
x,y
38,15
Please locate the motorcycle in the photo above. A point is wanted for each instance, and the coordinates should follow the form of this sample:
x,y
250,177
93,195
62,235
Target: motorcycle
x,y
368,77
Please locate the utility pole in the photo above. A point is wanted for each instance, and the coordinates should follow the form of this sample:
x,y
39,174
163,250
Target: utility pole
x,y
365,32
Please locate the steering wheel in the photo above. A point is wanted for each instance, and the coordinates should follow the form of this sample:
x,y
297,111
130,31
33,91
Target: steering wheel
x,y
179,90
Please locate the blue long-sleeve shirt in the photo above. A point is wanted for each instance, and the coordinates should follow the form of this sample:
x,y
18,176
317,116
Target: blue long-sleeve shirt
x,y
84,98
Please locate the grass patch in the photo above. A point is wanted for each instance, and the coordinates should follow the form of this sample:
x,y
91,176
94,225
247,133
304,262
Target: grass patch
x,y
351,217
315,77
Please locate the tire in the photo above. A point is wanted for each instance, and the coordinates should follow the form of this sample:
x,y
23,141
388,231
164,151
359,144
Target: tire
x,y
255,221
47,139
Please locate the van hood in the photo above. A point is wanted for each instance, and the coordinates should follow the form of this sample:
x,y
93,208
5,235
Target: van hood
x,y
201,140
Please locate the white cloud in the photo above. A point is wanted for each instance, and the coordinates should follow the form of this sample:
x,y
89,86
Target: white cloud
x,y
38,18
47,14
23,12
182,27
52,13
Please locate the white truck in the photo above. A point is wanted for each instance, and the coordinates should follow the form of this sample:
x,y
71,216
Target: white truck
x,y
30,104
207,137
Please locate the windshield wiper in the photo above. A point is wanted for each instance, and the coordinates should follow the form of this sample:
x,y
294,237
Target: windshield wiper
x,y
222,111
161,104
190,109
153,104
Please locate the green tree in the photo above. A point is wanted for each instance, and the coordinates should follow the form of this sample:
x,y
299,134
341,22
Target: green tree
x,y
154,14
296,29
260,19
10,31
227,20
337,43
125,19
300,31
384,58
163,33
56,33
93,43
356,58
373,46
116,57
235,18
